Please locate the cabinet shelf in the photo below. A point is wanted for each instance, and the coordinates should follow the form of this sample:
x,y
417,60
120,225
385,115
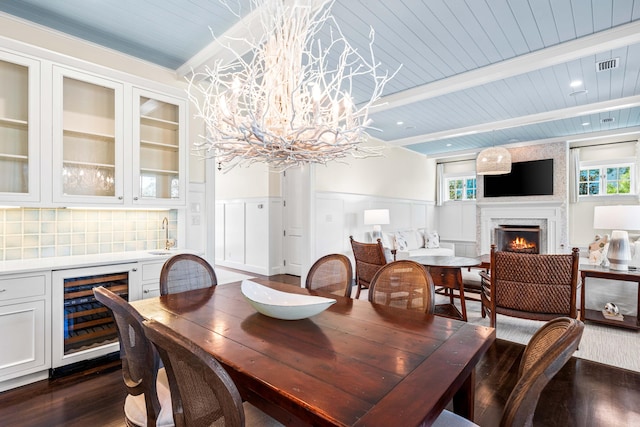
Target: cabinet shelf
x,y
158,171
14,157
90,135
158,145
164,124
18,124
88,164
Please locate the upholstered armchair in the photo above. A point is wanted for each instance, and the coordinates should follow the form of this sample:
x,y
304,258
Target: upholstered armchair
x,y
530,286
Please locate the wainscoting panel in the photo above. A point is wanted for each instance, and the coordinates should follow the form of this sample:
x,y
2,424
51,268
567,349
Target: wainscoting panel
x,y
339,215
248,234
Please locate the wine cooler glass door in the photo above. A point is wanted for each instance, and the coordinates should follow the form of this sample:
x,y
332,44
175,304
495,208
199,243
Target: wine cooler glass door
x,y
83,327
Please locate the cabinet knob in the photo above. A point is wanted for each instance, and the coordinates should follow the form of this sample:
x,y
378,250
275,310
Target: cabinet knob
x,y
3,290
120,197
135,198
134,269
146,291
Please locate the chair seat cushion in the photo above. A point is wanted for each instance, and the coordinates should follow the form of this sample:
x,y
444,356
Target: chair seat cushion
x,y
135,408
449,419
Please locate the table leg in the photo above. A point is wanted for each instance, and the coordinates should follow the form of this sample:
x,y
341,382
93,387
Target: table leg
x,y
583,276
463,400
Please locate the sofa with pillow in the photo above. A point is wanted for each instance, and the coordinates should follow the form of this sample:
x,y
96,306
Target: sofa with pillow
x,y
416,242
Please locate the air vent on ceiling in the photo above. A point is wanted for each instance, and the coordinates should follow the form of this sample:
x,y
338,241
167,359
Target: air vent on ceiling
x,y
607,120
609,64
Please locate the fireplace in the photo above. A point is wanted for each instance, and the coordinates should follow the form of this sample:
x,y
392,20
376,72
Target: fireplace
x,y
518,238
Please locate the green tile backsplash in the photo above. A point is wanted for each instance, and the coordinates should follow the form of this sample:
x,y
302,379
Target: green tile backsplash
x,y
40,233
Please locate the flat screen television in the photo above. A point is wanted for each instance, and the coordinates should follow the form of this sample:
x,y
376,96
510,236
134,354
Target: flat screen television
x,y
532,178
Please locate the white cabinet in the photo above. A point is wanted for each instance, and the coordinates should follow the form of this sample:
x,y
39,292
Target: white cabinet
x,y
150,272
87,138
25,326
158,158
19,128
70,137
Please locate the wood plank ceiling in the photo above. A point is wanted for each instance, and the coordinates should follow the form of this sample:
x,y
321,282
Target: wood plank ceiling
x,y
473,73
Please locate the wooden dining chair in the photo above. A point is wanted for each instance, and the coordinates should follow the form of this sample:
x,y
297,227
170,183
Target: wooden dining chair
x,y
369,258
148,402
403,284
546,353
530,286
184,272
203,393
332,274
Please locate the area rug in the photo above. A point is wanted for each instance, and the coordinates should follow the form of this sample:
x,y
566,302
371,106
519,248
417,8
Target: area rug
x,y
225,276
603,344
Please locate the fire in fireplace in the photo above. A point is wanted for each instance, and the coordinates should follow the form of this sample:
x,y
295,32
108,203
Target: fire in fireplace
x,y
518,238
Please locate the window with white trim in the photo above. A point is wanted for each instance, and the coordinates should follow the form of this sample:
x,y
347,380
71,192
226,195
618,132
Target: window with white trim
x,y
460,188
602,179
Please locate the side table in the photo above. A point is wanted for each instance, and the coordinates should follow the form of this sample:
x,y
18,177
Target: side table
x,y
630,322
446,274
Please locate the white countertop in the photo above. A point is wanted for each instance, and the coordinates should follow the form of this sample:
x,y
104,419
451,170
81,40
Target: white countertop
x,y
76,261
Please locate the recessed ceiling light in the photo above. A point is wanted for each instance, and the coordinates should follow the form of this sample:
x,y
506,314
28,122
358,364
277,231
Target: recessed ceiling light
x,y
399,123
586,124
576,83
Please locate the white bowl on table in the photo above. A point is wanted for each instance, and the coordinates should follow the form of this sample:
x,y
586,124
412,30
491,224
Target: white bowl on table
x,y
283,305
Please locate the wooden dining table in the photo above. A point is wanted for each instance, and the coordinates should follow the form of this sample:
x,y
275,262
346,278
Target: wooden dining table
x,y
355,364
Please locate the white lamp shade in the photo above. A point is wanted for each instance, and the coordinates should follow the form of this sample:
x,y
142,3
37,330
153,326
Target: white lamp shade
x,y
620,217
376,216
493,161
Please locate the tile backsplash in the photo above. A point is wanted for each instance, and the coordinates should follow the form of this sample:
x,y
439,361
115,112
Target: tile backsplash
x,y
28,233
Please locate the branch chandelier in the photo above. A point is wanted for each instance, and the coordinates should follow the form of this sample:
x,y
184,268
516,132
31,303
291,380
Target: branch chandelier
x,y
290,102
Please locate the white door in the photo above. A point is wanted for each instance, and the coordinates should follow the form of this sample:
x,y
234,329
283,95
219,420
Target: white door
x,y
293,219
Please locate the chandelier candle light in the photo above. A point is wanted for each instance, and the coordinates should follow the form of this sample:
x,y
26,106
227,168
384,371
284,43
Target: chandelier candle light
x,y
288,102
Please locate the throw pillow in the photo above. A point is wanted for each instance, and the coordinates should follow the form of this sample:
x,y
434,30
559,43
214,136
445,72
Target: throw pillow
x,y
432,239
411,238
388,240
401,242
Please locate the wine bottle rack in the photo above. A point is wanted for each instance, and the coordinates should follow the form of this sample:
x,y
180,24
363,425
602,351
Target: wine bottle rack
x,y
88,323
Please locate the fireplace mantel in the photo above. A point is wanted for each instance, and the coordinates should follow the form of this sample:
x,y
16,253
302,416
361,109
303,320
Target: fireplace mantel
x,y
549,215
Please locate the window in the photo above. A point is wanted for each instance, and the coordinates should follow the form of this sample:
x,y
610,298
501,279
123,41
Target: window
x,y
603,179
460,188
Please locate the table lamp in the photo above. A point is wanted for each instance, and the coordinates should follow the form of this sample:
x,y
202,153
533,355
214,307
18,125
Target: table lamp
x,y
376,217
619,219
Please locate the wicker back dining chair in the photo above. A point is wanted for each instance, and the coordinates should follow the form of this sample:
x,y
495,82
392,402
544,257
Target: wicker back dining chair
x,y
547,352
403,284
530,286
369,258
149,401
184,272
331,273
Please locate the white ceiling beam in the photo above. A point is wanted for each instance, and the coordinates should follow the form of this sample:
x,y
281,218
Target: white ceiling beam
x,y
547,116
613,38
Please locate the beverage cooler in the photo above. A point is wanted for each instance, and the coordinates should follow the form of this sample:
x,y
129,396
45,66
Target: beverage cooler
x,y
82,327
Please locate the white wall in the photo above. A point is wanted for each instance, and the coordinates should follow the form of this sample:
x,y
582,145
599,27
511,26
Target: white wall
x,y
399,173
340,215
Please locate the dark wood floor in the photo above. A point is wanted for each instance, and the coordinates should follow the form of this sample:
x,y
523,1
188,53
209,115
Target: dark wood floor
x,y
582,394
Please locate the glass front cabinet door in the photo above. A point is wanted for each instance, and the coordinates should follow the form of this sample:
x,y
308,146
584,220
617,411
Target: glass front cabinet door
x,y
159,149
19,129
87,138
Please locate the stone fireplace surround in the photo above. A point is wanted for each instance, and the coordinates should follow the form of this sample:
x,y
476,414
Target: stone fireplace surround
x,y
547,215
548,212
